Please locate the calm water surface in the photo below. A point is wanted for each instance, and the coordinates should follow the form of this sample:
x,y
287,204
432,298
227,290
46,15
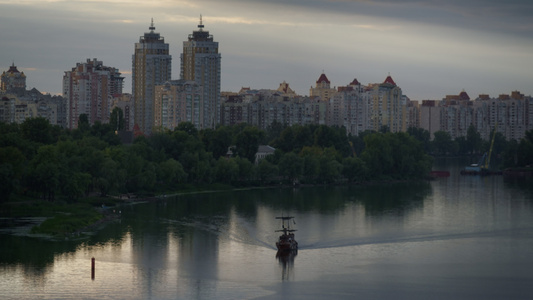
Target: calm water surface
x,y
462,237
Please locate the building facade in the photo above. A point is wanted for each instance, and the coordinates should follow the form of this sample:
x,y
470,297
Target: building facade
x,y
125,103
261,108
200,62
12,80
389,107
510,115
177,101
350,107
15,108
322,89
88,89
151,66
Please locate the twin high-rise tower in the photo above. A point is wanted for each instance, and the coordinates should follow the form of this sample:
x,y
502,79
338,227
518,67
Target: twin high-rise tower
x,y
152,65
200,62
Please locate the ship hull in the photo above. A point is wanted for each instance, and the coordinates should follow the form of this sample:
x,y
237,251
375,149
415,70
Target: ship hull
x,y
287,246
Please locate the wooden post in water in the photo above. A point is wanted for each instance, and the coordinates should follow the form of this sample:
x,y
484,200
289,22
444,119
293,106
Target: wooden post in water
x,y
92,268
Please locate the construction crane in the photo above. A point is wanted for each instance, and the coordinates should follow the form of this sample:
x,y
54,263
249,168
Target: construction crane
x,y
482,167
487,162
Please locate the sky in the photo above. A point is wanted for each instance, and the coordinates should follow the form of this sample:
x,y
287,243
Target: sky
x,y
431,48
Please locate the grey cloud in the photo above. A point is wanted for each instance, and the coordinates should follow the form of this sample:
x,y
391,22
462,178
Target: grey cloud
x,y
509,17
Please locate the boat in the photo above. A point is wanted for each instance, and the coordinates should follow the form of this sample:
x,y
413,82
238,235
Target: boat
x,y
286,241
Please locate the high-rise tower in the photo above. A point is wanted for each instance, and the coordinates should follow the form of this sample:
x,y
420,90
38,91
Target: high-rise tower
x,y
200,61
151,67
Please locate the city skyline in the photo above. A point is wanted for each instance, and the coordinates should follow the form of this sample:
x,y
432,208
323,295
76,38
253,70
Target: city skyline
x,y
430,49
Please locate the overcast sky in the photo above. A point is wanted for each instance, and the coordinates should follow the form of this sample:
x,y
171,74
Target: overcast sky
x,y
431,48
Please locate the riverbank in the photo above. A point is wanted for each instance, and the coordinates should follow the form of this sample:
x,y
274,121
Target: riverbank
x,y
58,220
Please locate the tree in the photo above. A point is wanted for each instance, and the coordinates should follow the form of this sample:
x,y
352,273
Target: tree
x,y
311,168
171,172
353,168
462,145
39,130
510,156
266,170
442,143
75,184
377,155
217,141
295,138
116,119
105,133
326,136
226,170
525,150
358,142
285,141
247,142
7,185
330,169
291,166
83,123
188,128
473,139
421,135
44,174
246,168
273,132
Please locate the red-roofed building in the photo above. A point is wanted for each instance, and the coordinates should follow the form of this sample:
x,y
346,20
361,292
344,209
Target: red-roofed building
x,y
322,88
464,96
389,106
389,81
323,79
355,82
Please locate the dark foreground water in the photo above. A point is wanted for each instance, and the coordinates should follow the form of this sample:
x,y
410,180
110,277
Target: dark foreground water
x,y
461,237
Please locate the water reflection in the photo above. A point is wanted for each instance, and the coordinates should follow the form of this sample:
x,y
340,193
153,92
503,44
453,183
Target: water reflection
x,y
223,244
286,262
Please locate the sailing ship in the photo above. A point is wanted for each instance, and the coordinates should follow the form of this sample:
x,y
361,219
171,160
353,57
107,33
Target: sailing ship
x,y
286,241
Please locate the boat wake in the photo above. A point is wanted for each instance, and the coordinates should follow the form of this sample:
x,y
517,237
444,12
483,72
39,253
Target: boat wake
x,y
420,238
243,231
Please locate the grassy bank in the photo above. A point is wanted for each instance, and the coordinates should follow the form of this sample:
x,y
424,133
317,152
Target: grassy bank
x,y
62,218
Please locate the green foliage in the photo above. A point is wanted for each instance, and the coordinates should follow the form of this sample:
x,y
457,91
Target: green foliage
x,y
39,130
422,135
217,141
67,165
291,166
267,171
396,155
75,218
6,183
226,170
443,144
247,142
116,119
473,140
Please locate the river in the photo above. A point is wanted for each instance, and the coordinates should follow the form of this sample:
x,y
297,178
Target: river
x,y
460,237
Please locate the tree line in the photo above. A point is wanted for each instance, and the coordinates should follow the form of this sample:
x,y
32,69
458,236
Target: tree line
x,y
509,153
43,161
